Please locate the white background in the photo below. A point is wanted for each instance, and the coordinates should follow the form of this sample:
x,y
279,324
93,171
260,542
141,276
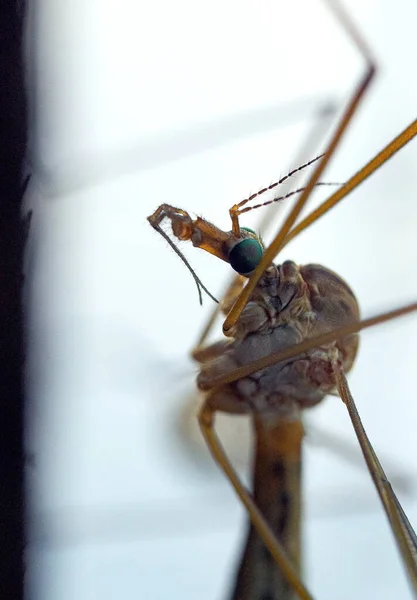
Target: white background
x,y
199,105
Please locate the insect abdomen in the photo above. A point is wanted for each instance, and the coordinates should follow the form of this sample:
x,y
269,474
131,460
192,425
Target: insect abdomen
x,y
277,483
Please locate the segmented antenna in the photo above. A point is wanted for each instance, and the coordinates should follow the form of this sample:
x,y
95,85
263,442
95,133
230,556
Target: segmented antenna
x,y
279,182
280,198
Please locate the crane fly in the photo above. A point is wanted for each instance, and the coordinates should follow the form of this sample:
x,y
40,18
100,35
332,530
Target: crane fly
x,y
290,336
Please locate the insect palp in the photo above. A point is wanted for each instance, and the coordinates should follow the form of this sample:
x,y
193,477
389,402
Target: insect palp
x,y
155,221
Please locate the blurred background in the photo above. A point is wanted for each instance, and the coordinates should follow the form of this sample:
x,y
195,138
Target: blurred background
x,y
200,105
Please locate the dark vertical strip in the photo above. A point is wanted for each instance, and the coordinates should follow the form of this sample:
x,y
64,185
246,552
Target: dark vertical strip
x,y
277,493
13,139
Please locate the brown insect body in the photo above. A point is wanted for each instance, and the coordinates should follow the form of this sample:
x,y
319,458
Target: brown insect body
x,y
289,304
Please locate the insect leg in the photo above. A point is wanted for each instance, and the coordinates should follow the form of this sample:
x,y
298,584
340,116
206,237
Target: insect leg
x,y
394,146
401,527
350,110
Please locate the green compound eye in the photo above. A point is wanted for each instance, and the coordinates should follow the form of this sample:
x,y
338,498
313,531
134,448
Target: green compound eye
x,y
248,229
246,255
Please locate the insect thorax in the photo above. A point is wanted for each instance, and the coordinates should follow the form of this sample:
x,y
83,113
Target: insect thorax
x,y
290,304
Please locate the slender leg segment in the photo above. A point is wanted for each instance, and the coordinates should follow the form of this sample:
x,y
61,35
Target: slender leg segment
x,y
386,153
401,527
279,241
